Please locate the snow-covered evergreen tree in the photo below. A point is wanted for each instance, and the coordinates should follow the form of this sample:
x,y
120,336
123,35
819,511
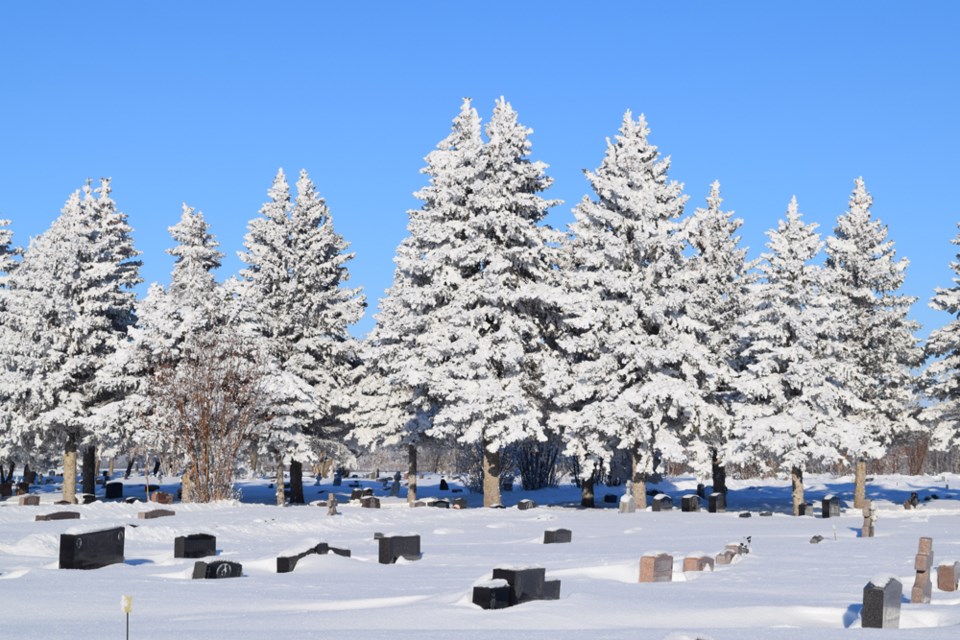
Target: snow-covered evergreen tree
x,y
878,347
395,401
942,376
495,331
718,284
296,264
794,400
9,259
639,366
75,281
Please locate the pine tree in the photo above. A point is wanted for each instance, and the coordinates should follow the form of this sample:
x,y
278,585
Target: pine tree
x,y
879,349
793,405
718,287
942,375
495,333
296,264
636,359
9,259
76,283
395,402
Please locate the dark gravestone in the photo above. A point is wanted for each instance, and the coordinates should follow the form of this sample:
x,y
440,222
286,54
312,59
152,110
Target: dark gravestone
x,y
370,502
493,594
552,536
830,507
23,488
525,504
701,491
440,504
804,509
881,604
356,494
508,484
443,485
216,570
525,584
717,503
58,515
6,489
195,545
419,503
662,502
337,551
366,492
91,550
610,498
690,502
156,513
29,500
914,499
551,590
88,498
745,514
460,503
766,514
113,490
394,547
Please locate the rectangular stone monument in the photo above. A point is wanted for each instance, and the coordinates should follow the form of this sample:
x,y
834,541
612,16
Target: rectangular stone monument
x,y
869,519
161,497
195,545
370,502
492,594
716,503
91,550
113,490
58,515
627,504
690,502
948,576
525,504
460,503
29,500
881,604
698,563
922,564
440,504
552,536
830,506
726,557
526,583
551,590
216,570
393,547
155,513
656,568
356,494
662,502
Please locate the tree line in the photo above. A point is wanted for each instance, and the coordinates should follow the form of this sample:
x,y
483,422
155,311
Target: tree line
x,y
641,332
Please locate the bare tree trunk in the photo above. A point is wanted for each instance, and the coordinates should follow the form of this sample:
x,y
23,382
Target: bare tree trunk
x,y
296,482
587,498
89,469
860,484
491,476
186,485
126,475
70,470
281,499
639,478
796,476
110,467
254,458
411,474
719,474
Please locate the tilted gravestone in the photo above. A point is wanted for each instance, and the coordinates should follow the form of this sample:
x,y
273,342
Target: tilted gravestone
x,y
656,568
492,594
697,563
716,503
830,507
155,513
662,502
58,515
690,502
216,570
393,547
113,490
948,576
553,536
91,550
526,583
923,563
881,604
195,545
525,504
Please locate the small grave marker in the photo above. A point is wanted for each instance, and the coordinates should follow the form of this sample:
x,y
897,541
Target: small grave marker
x,y
656,568
29,500
393,547
58,515
370,502
161,497
553,536
948,576
155,513
881,604
690,503
717,503
113,490
697,563
443,485
216,570
830,507
662,502
526,583
869,520
526,504
492,594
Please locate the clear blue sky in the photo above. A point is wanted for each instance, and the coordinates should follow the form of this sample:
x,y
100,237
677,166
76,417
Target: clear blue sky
x,y
202,102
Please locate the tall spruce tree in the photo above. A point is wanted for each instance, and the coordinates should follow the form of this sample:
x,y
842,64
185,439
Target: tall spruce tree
x,y
10,448
497,331
793,407
636,358
292,293
942,376
395,400
878,347
76,280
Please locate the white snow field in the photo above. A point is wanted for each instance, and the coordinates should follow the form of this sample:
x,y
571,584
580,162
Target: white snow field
x,y
785,587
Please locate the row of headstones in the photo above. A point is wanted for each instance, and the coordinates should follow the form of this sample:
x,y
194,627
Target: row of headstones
x,y
881,597
659,567
716,503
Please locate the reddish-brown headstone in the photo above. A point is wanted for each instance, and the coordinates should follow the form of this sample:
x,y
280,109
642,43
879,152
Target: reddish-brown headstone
x,y
947,576
658,568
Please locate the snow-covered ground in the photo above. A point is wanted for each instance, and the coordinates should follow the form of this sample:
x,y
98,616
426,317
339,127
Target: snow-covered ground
x,y
785,587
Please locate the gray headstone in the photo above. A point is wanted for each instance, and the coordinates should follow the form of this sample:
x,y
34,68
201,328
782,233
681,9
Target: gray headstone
x,y
881,605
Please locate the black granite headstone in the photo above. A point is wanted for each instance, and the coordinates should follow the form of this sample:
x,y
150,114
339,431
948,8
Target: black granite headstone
x,y
881,605
394,547
717,503
551,536
525,584
113,490
610,498
195,545
216,570
495,594
830,507
525,504
662,502
551,589
356,494
91,550
690,502
443,485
